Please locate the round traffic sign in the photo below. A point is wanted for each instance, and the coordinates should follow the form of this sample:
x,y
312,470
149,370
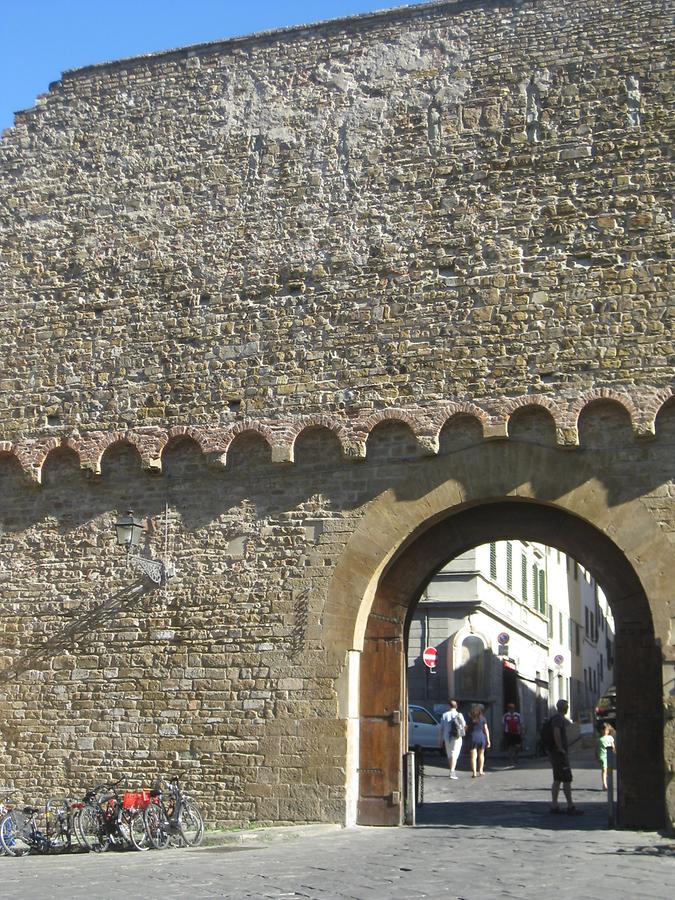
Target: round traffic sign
x,y
429,657
503,638
558,660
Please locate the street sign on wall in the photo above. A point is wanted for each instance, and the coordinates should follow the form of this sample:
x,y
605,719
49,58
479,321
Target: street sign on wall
x,y
429,657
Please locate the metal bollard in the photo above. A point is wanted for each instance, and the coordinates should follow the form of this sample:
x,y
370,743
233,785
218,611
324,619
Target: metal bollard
x,y
420,778
410,788
611,815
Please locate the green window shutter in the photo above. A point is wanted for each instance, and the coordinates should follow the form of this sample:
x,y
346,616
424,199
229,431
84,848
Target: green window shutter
x,y
535,587
493,561
542,593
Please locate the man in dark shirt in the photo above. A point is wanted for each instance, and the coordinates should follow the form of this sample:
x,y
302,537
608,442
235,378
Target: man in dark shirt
x,y
562,773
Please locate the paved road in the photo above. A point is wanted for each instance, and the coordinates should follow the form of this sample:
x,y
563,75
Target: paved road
x,y
490,837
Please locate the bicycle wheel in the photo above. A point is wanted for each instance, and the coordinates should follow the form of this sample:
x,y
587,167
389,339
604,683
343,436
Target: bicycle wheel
x,y
14,830
137,831
157,826
59,828
89,829
191,824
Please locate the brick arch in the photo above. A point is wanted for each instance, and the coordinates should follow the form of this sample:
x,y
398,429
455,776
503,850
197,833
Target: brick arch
x,y
8,448
604,394
439,419
246,427
124,440
518,405
492,492
9,451
412,420
650,412
93,450
33,457
57,445
325,422
515,404
179,432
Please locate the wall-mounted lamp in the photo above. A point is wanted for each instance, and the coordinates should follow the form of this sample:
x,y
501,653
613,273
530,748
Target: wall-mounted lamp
x,y
128,530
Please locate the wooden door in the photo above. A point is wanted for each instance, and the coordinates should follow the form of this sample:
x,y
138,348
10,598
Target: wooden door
x,y
381,726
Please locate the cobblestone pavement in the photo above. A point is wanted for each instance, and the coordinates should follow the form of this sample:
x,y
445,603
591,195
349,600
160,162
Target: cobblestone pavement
x,y
476,838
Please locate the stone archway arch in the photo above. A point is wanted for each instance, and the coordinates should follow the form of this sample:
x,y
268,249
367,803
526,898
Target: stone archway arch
x,y
493,493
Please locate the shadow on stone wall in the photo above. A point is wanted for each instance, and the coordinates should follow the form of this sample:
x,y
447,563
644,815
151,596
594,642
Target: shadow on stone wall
x,y
77,631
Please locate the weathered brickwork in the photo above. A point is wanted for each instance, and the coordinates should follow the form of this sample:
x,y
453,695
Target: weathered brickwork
x,y
250,289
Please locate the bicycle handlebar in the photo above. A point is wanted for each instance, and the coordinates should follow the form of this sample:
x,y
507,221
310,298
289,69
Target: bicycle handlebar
x,y
106,785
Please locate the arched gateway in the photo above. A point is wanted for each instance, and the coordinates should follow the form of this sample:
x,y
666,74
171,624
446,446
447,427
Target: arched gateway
x,y
325,307
496,492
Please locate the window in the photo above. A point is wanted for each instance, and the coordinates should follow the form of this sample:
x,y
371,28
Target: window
x,y
586,614
523,577
509,566
542,594
560,627
535,587
570,635
493,561
550,623
593,635
577,639
422,716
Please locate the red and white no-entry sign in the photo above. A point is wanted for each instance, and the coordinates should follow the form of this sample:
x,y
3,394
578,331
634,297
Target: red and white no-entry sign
x,y
429,657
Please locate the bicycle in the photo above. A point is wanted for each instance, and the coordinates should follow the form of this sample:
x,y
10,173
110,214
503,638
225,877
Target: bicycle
x,y
5,807
20,833
107,819
173,816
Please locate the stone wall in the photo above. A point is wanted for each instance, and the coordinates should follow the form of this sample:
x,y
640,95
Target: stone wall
x,y
407,207
348,247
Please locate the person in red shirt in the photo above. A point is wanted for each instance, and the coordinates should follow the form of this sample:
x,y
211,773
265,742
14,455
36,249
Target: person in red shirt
x,y
513,732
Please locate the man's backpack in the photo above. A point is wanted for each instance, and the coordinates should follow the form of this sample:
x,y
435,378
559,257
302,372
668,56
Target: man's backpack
x,y
546,735
456,727
512,723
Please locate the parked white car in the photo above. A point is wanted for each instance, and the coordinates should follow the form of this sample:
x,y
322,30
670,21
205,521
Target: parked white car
x,y
424,729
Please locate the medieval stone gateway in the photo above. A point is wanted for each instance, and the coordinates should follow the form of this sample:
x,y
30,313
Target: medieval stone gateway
x,y
326,307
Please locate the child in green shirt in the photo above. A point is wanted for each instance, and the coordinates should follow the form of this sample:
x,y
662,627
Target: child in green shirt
x,y
605,745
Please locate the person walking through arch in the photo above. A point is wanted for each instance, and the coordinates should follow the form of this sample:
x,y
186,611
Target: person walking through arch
x,y
559,759
453,727
605,747
513,732
479,734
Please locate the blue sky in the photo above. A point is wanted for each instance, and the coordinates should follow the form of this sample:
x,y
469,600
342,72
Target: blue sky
x,y
39,39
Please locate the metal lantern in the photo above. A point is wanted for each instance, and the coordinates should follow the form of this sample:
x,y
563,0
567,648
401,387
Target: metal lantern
x,y
128,530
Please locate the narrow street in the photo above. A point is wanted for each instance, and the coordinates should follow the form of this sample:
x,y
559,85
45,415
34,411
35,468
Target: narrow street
x,y
476,838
